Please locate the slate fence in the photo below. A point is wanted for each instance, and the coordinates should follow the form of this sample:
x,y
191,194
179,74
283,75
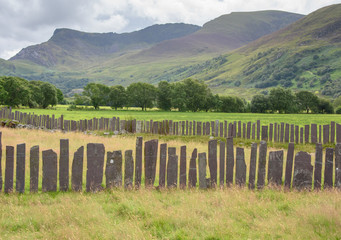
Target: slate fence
x,y
274,132
139,168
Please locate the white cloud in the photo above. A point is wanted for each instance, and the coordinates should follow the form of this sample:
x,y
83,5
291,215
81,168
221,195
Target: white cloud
x,y
27,22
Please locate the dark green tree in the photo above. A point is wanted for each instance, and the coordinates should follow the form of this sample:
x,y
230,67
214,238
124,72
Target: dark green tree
x,y
307,101
81,100
325,106
164,93
196,92
260,104
17,90
60,96
49,93
178,96
117,97
231,104
141,95
98,94
282,100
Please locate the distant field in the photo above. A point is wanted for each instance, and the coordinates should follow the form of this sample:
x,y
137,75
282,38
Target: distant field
x,y
154,114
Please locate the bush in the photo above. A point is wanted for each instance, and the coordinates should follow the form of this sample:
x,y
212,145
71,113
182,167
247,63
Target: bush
x,y
338,110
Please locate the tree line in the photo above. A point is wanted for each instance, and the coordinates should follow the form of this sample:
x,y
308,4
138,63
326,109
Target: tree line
x,y
15,92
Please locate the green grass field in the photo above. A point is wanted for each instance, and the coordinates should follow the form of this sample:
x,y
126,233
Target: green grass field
x,y
155,114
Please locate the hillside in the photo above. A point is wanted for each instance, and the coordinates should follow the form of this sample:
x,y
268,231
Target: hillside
x,y
304,55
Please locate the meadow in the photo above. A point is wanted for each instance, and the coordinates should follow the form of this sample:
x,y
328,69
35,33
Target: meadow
x,y
156,115
230,213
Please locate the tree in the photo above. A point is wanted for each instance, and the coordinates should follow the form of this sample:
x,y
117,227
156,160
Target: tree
x,y
260,104
60,96
49,93
211,102
196,92
98,94
17,91
325,106
141,95
231,104
36,94
117,97
282,100
178,96
81,100
307,101
164,100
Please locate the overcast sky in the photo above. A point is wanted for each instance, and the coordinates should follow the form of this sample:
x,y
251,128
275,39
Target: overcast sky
x,y
28,22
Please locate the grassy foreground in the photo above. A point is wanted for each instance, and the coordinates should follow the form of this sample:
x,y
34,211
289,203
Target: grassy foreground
x,y
151,214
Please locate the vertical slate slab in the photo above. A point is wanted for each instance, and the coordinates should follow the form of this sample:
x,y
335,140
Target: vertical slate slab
x,y
128,169
275,133
318,166
240,167
9,171
325,134
20,173
261,164
338,133
328,170
252,169
150,157
292,133
172,168
289,164
265,133
34,169
303,171
199,128
208,128
297,134
275,169
244,130
234,129
301,135
286,138
77,170
320,134
194,132
187,127
271,132
221,129
230,132
138,162
258,129
202,171
282,133
162,169
222,164
183,128
216,132
212,160
113,169
190,128
213,127
253,131
177,128
306,134
203,128
49,171
229,161
338,165
192,173
64,165
332,132
225,129
248,134
313,133
95,163
239,129
183,168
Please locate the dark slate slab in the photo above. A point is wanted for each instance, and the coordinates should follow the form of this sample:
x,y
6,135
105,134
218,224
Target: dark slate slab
x,y
172,168
303,171
77,170
338,133
301,135
64,165
271,132
306,134
289,165
252,169
258,129
212,160
202,171
234,129
253,131
95,164
338,165
20,168
183,128
318,166
9,171
240,167
229,161
328,170
222,164
282,133
213,128
194,131
332,132
225,129
230,131
265,133
286,138
128,169
244,130
138,162
162,169
183,168
150,157
275,133
49,171
192,173
190,128
34,169
292,133
199,128
113,169
261,164
313,133
248,134
320,134
208,127
239,129
297,134
325,134
275,168
221,129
